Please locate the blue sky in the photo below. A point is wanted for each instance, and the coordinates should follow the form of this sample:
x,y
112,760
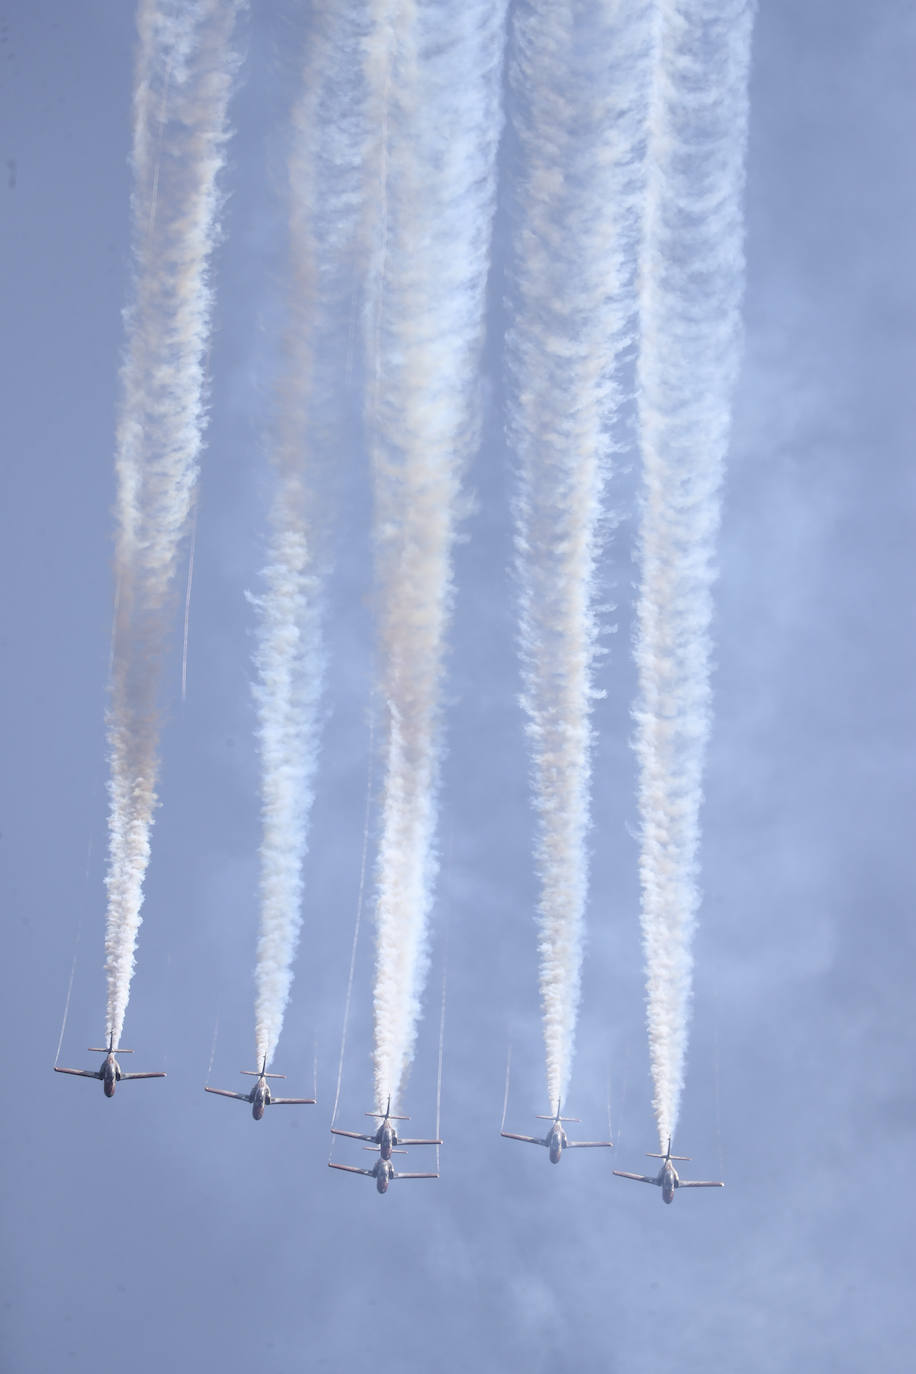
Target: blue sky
x,y
165,1229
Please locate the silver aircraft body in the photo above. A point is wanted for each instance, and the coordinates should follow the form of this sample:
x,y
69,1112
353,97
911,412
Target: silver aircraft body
x,y
556,1140
386,1137
109,1071
667,1177
260,1095
383,1171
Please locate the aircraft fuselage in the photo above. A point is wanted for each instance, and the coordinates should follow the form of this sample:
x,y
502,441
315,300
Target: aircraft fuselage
x,y
110,1073
260,1098
387,1138
556,1143
383,1174
668,1180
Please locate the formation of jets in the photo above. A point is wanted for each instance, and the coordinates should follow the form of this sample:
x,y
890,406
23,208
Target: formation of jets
x,y
109,1071
260,1095
386,1139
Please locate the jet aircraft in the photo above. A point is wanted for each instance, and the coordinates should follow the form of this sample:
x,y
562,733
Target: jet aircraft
x,y
109,1071
667,1176
556,1139
260,1095
386,1137
383,1171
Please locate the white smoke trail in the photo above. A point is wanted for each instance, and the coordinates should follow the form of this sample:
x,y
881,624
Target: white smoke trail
x,y
177,155
289,663
579,82
691,283
324,165
433,73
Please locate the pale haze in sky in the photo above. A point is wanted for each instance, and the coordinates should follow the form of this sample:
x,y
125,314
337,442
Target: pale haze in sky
x,y
165,1229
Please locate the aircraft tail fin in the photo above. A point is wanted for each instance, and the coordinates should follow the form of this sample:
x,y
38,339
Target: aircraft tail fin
x,y
386,1114
558,1117
253,1073
109,1049
669,1155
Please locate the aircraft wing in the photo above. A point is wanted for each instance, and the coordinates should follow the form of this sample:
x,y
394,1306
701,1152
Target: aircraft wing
x,y
224,1092
640,1178
400,1175
697,1183
350,1169
589,1144
142,1075
292,1101
531,1139
417,1142
80,1073
354,1135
